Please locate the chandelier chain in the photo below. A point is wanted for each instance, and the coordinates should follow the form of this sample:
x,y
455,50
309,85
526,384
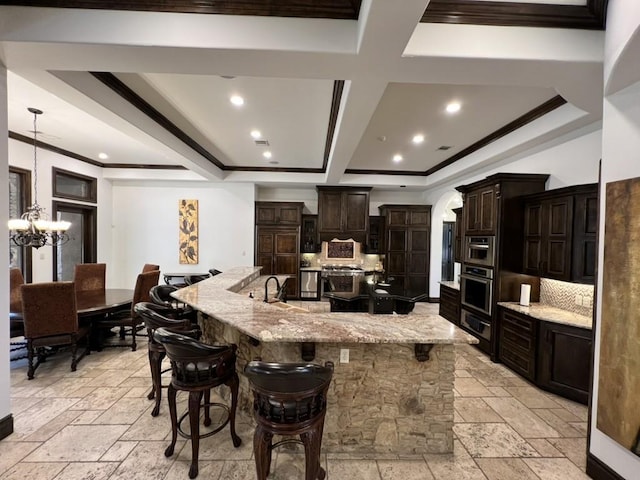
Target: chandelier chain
x,y
35,159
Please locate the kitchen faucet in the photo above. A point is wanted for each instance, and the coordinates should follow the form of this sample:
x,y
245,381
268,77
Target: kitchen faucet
x,y
266,287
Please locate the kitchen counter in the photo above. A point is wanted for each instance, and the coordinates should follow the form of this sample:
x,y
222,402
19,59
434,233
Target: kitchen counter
x,y
550,314
450,284
392,387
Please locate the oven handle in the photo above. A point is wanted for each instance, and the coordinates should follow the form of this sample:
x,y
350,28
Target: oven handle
x,y
474,277
479,246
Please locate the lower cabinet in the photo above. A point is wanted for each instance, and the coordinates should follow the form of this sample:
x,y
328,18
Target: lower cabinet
x,y
554,356
564,360
450,304
517,343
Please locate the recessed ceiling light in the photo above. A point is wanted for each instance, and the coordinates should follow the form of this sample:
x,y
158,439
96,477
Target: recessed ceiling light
x,y
397,158
237,100
256,133
103,156
267,154
453,107
418,138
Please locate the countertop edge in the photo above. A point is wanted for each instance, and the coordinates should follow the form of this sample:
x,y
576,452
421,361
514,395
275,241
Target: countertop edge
x,y
547,313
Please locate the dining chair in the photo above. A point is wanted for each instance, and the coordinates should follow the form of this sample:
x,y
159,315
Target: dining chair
x,y
150,267
130,318
16,325
90,276
51,319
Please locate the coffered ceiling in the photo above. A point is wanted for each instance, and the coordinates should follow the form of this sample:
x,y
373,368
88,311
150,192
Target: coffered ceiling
x,y
335,88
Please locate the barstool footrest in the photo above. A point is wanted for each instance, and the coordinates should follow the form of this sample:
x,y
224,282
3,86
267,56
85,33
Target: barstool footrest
x,y
212,432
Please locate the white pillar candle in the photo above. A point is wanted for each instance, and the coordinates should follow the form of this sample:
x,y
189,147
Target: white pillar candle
x,y
525,294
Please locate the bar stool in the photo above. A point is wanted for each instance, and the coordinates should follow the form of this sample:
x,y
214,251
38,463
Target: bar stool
x,y
197,368
160,316
289,399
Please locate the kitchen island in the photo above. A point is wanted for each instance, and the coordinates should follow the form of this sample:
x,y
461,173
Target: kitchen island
x,y
394,393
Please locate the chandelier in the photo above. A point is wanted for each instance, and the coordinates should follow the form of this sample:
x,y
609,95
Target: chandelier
x,y
34,228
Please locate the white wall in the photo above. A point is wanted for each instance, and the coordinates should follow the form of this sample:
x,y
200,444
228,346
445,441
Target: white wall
x,y
5,386
574,162
21,155
145,228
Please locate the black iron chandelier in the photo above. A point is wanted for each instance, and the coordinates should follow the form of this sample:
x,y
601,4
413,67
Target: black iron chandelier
x,y
34,228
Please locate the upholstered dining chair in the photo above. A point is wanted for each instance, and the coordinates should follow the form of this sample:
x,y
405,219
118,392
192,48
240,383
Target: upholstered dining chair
x,y
90,276
130,319
16,325
150,267
51,319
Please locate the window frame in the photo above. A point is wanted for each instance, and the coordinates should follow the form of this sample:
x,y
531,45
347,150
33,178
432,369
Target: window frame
x,y
92,196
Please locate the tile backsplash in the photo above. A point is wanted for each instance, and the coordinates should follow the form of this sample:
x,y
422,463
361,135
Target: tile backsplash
x,y
574,297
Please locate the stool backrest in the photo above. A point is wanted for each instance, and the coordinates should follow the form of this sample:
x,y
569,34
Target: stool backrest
x,y
195,363
289,393
161,294
158,316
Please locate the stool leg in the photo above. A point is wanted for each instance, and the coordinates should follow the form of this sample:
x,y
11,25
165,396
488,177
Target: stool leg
x,y
152,393
262,451
233,384
207,409
194,423
312,440
171,395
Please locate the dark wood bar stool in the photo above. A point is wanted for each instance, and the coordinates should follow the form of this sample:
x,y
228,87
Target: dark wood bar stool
x,y
197,368
289,399
161,316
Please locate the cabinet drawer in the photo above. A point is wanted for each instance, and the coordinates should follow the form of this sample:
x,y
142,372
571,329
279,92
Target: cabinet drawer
x,y
522,363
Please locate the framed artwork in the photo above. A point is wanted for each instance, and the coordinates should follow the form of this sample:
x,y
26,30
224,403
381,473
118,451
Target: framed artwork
x,y
188,231
619,381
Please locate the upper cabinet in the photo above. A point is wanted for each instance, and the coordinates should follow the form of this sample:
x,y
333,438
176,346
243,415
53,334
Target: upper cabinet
x,y
279,213
343,212
480,211
309,237
560,233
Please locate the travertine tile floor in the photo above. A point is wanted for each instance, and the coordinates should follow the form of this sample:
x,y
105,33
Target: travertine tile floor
x,y
96,424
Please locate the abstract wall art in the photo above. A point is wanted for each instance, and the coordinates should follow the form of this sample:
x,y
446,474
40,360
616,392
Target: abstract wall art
x,y
619,377
188,228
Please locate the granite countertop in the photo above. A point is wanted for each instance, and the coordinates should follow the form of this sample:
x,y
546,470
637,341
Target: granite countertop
x,y
450,284
274,322
550,314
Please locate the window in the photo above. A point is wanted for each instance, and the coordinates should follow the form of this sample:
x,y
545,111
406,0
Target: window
x,y
19,199
74,186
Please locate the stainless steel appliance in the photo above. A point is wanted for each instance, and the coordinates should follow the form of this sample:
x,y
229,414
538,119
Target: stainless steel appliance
x,y
476,323
341,278
480,250
476,288
309,287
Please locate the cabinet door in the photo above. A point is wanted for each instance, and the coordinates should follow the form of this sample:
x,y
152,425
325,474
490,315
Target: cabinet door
x,y
450,304
286,259
309,236
417,267
471,214
329,211
289,215
585,227
557,258
487,211
396,258
265,248
355,212
533,238
375,242
266,214
278,213
564,360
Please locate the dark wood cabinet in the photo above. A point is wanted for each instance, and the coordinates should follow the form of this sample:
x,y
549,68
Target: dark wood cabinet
x,y
517,342
450,304
457,236
560,234
343,213
480,211
564,360
407,245
585,229
278,213
375,243
309,234
277,252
